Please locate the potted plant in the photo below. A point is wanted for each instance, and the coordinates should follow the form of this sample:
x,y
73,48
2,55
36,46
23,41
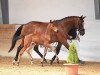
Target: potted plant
x,y
71,65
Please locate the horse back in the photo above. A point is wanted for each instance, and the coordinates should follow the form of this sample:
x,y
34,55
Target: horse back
x,y
34,26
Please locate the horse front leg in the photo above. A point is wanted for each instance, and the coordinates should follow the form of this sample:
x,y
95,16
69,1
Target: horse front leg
x,y
37,51
45,52
53,49
57,51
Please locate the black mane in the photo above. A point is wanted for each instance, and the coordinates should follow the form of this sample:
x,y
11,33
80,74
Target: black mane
x,y
66,18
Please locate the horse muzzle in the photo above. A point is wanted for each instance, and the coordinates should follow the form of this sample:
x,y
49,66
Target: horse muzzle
x,y
82,32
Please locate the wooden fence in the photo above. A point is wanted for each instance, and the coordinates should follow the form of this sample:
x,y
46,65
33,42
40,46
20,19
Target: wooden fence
x,y
6,34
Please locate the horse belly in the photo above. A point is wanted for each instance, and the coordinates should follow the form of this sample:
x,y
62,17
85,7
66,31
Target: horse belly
x,y
37,40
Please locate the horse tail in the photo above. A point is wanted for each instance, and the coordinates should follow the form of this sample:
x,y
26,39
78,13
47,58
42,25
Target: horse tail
x,y
15,38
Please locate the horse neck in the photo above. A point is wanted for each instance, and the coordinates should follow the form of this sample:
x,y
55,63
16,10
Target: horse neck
x,y
48,30
71,26
66,25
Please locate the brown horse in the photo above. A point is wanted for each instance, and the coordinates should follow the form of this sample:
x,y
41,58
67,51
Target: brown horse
x,y
65,25
37,38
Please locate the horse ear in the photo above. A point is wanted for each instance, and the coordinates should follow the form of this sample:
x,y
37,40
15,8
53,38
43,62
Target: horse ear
x,y
83,17
50,21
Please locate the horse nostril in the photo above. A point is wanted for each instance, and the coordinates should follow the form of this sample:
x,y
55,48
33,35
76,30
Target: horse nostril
x,y
82,33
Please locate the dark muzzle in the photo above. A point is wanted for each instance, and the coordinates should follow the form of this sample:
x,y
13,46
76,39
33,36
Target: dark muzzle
x,y
82,31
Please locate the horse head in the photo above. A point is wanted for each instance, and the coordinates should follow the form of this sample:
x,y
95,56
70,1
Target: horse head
x,y
80,25
53,26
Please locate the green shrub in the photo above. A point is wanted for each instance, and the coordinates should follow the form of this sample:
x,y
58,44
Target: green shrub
x,y
72,54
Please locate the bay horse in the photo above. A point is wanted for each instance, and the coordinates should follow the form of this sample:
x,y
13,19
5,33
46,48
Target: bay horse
x,y
65,25
37,38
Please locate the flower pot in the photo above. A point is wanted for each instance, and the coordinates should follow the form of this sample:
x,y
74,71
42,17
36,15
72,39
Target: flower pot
x,y
71,69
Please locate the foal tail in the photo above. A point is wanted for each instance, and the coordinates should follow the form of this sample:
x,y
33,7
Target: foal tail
x,y
15,38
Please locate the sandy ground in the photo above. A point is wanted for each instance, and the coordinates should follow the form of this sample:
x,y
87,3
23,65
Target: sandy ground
x,y
25,68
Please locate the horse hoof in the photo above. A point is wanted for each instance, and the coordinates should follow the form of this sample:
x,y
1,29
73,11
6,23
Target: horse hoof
x,y
81,62
50,62
14,62
45,60
57,61
31,62
17,63
42,64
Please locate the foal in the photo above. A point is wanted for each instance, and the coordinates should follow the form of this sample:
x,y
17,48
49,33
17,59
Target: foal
x,y
37,38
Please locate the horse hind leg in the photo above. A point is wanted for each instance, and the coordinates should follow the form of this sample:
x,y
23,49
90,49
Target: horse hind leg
x,y
20,55
54,50
43,59
28,52
16,57
15,61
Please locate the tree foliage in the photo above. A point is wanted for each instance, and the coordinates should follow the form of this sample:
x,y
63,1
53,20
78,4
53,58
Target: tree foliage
x,y
72,54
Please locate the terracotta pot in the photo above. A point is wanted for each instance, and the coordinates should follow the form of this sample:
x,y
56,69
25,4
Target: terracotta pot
x,y
71,69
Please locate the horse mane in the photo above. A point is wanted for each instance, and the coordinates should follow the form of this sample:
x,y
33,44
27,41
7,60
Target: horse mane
x,y
67,18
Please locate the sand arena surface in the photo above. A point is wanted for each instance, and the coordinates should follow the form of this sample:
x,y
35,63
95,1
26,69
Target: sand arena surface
x,y
25,68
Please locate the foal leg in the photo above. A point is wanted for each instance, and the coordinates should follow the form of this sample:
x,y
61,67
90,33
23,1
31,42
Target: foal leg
x,y
20,55
56,56
37,51
45,52
28,51
53,49
57,51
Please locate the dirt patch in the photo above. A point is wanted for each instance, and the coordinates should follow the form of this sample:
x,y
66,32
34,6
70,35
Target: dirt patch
x,y
25,68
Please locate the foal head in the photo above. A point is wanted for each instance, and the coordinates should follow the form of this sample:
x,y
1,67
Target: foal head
x,y
53,26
